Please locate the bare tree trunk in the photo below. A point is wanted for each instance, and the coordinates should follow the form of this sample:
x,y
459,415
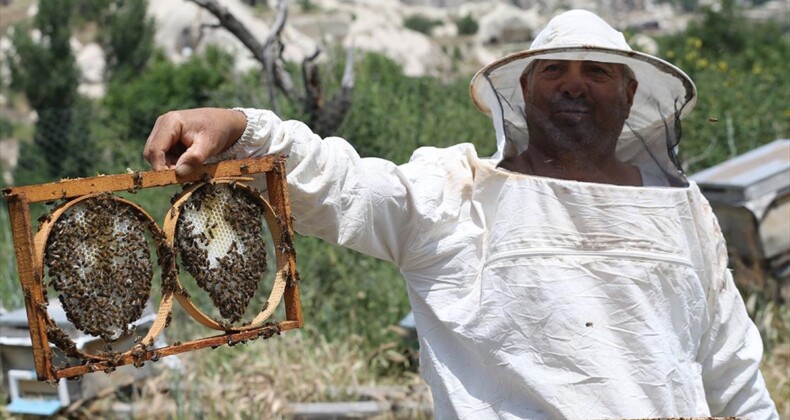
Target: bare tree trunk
x,y
324,118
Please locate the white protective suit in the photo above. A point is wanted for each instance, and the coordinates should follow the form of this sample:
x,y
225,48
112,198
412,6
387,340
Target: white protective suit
x,y
535,297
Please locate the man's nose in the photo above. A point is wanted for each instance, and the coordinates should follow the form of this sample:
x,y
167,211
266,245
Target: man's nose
x,y
573,84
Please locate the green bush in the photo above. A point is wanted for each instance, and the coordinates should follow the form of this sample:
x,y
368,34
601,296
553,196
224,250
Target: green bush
x,y
738,67
6,128
467,25
421,24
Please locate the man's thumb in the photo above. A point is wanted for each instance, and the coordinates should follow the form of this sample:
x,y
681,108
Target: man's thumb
x,y
189,161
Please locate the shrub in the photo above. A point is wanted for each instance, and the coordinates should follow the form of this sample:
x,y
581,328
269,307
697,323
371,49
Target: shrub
x,y
421,24
467,25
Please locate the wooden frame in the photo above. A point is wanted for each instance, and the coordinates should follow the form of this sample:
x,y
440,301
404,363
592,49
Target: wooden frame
x,y
31,271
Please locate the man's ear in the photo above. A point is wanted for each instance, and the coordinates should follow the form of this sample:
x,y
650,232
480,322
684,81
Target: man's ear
x,y
630,91
523,80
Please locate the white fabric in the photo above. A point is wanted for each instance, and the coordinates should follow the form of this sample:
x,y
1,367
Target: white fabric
x,y
534,297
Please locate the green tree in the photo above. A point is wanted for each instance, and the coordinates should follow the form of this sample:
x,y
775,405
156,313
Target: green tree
x,y
128,39
45,71
130,107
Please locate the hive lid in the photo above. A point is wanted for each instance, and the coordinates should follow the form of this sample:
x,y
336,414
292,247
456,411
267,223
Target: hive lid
x,y
757,173
18,317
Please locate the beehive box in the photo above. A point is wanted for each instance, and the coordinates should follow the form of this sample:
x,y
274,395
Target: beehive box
x,y
28,396
750,195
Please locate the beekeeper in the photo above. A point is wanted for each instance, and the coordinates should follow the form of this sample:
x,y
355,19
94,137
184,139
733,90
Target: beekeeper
x,y
575,274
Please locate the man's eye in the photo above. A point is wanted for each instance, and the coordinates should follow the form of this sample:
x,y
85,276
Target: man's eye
x,y
551,68
599,71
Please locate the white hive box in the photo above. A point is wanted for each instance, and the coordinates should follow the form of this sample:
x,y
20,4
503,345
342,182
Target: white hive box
x,y
750,195
29,396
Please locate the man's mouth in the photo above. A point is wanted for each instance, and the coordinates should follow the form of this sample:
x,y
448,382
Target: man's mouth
x,y
573,110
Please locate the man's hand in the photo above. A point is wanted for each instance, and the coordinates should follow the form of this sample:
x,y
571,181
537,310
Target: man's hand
x,y
185,139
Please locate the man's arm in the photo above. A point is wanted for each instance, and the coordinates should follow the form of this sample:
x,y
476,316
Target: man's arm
x,y
364,204
734,385
731,348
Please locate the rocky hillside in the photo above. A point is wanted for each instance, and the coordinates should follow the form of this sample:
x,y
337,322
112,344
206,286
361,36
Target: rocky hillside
x,y
422,35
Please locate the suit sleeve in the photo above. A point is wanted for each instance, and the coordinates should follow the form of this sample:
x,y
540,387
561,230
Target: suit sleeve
x,y
366,204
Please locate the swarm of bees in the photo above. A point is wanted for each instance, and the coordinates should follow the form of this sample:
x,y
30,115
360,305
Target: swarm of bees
x,y
219,239
99,263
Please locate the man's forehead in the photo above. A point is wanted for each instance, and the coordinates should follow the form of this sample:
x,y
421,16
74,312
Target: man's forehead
x,y
545,61
621,68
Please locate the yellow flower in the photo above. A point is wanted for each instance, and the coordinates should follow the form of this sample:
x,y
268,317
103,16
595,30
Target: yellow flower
x,y
702,63
757,69
722,66
694,42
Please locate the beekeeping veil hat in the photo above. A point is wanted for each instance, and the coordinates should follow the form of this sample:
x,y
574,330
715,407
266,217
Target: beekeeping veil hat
x,y
651,132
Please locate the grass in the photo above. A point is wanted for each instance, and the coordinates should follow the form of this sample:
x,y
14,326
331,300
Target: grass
x,y
262,377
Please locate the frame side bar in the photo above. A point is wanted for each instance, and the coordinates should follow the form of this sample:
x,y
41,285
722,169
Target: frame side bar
x,y
29,278
278,193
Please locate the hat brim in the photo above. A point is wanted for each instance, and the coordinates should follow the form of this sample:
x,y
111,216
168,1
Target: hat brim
x,y
663,88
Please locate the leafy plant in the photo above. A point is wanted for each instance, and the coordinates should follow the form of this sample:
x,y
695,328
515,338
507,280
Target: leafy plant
x,y
421,24
467,25
738,67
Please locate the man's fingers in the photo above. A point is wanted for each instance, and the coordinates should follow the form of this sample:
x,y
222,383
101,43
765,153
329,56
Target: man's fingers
x,y
185,139
160,144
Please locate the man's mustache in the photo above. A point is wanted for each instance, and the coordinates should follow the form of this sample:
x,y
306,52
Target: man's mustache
x,y
563,103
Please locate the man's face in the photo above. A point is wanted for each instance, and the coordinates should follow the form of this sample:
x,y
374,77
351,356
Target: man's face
x,y
577,102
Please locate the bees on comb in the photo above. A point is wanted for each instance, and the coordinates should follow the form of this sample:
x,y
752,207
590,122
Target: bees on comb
x,y
99,262
219,240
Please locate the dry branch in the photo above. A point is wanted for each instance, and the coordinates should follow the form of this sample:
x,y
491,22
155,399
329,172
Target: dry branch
x,y
324,117
269,54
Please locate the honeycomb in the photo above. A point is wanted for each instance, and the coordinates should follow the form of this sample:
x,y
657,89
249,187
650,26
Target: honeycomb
x,y
99,262
219,240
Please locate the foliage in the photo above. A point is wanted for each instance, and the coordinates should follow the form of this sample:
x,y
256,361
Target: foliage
x,y
6,127
685,5
467,25
394,114
738,67
420,23
307,5
45,71
131,107
128,39
10,290
92,10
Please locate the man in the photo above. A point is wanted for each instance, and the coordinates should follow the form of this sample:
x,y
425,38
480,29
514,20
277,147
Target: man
x,y
576,274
